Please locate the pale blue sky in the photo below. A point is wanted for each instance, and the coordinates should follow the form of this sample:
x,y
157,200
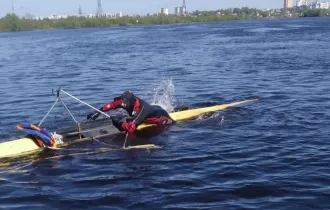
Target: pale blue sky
x,y
70,7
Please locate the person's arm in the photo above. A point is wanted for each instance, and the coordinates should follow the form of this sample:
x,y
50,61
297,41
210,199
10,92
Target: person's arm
x,y
105,108
112,105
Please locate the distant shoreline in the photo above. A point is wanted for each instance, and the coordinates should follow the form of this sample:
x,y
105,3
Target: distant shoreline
x,y
12,23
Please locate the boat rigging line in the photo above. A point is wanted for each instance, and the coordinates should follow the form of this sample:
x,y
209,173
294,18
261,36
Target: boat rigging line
x,y
58,98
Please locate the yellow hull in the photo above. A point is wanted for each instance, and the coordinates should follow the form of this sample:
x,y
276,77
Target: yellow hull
x,y
26,145
16,147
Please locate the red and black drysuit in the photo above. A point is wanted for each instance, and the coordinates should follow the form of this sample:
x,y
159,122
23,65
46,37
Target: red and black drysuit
x,y
139,111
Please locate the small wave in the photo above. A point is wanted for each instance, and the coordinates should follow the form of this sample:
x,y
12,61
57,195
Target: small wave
x,y
295,26
264,30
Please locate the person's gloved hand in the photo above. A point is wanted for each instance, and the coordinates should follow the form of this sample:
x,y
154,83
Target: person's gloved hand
x,y
130,127
117,122
94,115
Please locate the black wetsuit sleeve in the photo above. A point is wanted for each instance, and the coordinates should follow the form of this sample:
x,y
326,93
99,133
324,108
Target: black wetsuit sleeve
x,y
139,116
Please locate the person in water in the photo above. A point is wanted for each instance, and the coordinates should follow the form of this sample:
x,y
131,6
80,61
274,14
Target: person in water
x,y
138,110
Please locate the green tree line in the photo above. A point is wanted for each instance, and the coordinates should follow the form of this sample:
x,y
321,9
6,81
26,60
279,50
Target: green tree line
x,y
243,12
11,22
315,13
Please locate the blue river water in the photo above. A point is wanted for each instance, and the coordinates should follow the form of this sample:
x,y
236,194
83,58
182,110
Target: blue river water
x,y
270,154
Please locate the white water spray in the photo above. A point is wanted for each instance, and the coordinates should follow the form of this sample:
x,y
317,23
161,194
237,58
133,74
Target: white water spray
x,y
164,95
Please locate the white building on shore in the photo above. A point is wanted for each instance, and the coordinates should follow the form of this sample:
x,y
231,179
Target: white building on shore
x,y
56,17
319,5
119,15
164,11
301,3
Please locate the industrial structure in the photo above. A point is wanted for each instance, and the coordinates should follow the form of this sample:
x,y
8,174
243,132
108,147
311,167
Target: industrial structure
x,y
181,10
177,10
80,11
99,11
12,7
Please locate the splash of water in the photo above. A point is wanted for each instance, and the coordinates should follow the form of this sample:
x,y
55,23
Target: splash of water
x,y
164,95
211,116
